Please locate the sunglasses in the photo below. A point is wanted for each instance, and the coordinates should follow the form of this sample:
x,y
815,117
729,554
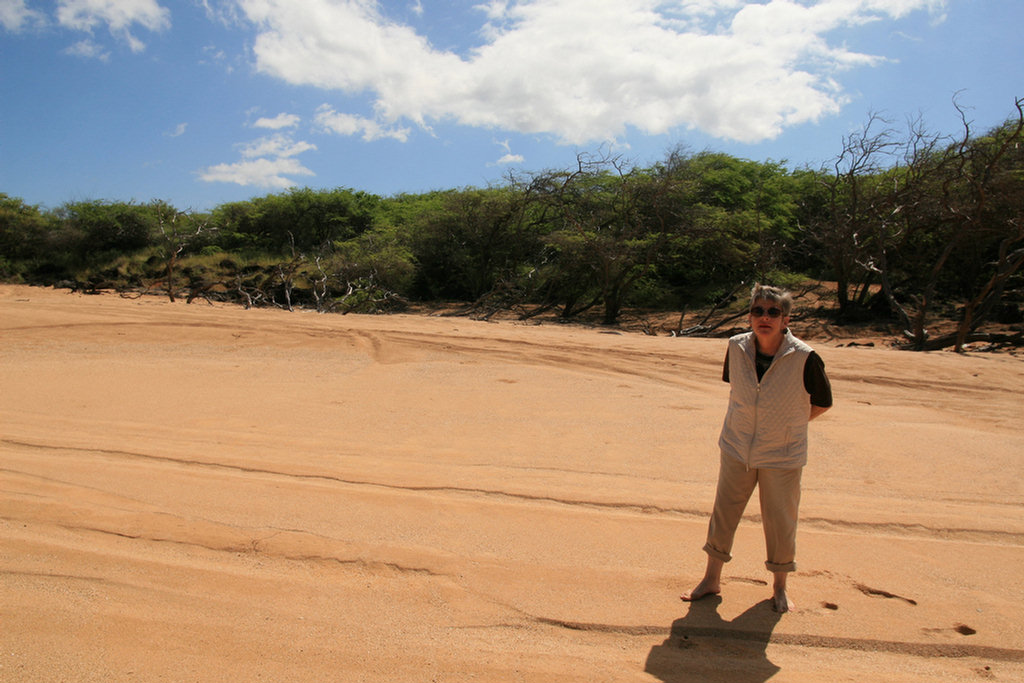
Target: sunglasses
x,y
772,312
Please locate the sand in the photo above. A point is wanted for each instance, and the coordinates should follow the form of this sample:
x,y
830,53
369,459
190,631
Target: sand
x,y
206,493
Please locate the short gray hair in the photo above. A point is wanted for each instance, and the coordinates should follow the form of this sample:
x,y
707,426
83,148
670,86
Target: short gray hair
x,y
776,295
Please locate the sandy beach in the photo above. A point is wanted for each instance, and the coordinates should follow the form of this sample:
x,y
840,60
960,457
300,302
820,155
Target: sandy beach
x,y
207,493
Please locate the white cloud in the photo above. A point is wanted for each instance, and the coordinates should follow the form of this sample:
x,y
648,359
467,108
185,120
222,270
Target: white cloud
x,y
268,173
178,131
118,15
88,50
508,157
15,15
582,70
267,162
349,124
223,12
280,146
278,122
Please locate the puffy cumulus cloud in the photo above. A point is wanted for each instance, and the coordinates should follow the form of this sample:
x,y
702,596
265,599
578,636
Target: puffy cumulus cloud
x,y
351,46
266,173
118,15
350,124
15,16
582,70
267,162
278,122
510,159
279,146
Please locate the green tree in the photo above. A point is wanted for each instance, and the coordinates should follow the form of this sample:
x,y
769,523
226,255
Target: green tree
x,y
86,238
108,227
469,241
174,233
734,220
984,204
855,204
609,223
302,219
23,231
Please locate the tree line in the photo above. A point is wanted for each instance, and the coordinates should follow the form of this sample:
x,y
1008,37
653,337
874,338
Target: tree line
x,y
910,224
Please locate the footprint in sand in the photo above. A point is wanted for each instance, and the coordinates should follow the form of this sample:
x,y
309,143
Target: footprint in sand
x,y
962,629
876,592
744,579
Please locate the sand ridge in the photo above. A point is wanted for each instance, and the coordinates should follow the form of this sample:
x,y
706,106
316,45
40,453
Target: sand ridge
x,y
196,492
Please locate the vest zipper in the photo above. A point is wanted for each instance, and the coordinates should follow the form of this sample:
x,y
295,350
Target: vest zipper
x,y
757,407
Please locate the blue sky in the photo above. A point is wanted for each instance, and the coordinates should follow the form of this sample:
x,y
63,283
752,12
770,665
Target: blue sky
x,y
202,102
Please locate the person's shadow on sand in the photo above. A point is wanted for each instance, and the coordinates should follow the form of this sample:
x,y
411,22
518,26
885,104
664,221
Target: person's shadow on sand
x,y
703,647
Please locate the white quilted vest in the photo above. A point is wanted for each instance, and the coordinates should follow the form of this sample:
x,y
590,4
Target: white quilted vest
x,y
766,424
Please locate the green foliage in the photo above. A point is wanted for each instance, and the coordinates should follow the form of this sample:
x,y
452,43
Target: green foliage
x,y
926,219
469,241
22,235
98,227
299,219
380,254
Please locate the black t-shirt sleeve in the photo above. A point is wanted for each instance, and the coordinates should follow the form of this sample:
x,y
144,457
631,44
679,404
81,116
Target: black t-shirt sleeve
x,y
816,381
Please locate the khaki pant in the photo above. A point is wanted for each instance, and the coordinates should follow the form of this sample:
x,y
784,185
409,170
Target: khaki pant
x,y
779,491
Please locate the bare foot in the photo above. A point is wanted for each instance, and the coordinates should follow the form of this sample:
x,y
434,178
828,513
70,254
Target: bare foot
x,y
704,588
781,602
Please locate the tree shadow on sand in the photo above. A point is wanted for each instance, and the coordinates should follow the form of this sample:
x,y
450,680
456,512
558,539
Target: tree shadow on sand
x,y
704,647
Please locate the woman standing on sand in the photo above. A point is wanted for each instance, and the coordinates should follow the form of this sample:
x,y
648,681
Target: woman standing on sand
x,y
777,385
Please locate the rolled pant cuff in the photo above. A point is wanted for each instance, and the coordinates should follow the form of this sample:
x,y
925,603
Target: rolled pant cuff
x,y
787,567
716,553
